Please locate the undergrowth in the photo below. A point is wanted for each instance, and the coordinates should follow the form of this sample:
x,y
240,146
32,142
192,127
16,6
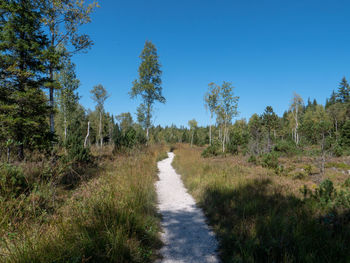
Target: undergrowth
x,y
261,217
111,218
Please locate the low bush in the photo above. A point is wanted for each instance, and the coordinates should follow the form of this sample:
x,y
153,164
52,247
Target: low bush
x,y
252,159
12,180
210,151
269,160
232,148
287,148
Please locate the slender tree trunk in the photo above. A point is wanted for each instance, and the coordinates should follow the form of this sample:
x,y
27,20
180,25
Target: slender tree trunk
x,y
51,98
323,157
268,141
8,154
51,103
192,139
65,126
87,135
100,130
210,132
224,137
21,152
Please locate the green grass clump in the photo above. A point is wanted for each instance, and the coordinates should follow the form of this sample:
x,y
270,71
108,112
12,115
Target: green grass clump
x,y
338,165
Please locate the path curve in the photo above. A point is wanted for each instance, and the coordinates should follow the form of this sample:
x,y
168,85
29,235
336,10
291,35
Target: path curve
x,y
185,235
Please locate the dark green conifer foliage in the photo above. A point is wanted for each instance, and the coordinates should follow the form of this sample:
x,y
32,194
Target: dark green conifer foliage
x,y
344,91
23,108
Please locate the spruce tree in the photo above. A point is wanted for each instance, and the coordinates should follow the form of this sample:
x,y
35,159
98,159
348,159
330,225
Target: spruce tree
x,y
344,91
23,107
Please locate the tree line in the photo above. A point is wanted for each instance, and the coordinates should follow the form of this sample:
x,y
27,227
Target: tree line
x,y
39,100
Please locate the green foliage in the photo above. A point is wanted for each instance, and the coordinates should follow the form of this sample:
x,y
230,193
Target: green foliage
x,y
211,150
127,139
149,84
269,160
23,108
252,159
232,148
345,134
12,180
286,147
328,197
308,170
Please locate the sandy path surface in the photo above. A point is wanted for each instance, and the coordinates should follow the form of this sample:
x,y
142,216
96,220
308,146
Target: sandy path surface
x,y
186,235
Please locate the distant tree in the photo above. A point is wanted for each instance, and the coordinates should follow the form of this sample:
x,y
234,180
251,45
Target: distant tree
x,y
345,132
148,85
255,130
318,124
211,102
337,113
226,109
343,94
296,110
99,96
270,120
125,120
62,19
23,108
193,125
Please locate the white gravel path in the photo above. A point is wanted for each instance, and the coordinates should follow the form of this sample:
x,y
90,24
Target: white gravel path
x,y
186,235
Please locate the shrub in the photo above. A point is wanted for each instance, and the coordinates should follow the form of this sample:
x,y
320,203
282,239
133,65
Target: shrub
x,y
337,150
308,170
269,160
252,159
286,147
232,148
12,180
211,150
328,197
76,153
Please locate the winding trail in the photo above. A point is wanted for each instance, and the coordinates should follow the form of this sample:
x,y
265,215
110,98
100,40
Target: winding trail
x,y
186,235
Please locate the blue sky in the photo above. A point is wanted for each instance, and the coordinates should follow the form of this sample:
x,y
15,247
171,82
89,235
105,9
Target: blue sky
x,y
267,49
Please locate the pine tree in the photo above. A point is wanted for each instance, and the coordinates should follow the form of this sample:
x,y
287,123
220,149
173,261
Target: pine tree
x,y
23,107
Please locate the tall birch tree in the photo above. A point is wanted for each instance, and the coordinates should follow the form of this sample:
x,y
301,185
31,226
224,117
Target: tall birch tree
x,y
296,108
99,96
210,103
148,85
226,109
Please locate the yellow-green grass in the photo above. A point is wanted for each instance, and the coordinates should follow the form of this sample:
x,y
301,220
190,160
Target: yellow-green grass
x,y
259,216
111,218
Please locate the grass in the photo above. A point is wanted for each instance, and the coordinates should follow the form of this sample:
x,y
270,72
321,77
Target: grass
x,y
261,217
110,218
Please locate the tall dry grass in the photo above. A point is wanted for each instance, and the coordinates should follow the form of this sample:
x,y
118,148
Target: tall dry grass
x,y
111,218
259,216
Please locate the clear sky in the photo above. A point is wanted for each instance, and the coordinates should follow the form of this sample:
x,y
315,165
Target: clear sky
x,y
267,49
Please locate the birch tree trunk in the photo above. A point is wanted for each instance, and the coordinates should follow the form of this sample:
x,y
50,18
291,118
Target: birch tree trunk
x,y
224,137
65,124
210,132
192,139
100,130
87,135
